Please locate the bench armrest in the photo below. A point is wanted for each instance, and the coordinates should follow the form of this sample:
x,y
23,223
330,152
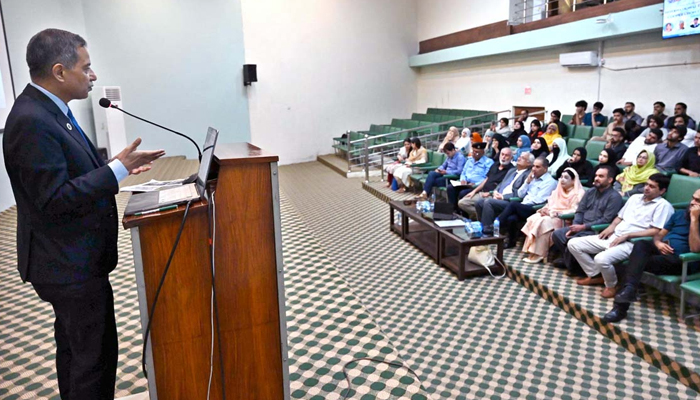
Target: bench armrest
x,y
690,257
451,176
569,216
635,240
600,227
680,206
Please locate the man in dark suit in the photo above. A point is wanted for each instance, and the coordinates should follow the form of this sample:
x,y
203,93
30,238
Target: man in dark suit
x,y
66,212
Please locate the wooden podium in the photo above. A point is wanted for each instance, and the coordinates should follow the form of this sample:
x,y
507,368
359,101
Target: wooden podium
x,y
249,286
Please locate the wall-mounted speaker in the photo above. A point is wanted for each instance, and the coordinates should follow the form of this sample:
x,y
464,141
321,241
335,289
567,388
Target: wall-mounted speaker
x,y
250,74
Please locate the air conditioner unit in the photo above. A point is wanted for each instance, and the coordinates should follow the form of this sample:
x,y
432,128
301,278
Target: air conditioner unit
x,y
109,123
578,60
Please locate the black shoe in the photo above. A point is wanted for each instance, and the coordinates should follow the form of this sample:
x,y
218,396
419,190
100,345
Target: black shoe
x,y
509,244
628,294
617,314
559,263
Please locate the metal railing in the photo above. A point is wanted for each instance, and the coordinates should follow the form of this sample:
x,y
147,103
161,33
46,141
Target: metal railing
x,y
522,11
366,149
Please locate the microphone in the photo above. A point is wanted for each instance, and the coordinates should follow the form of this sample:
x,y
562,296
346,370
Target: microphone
x,y
105,103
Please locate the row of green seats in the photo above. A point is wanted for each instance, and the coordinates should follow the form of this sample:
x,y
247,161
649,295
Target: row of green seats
x,y
567,117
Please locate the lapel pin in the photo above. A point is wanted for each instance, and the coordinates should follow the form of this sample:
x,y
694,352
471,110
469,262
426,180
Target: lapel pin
x,y
69,126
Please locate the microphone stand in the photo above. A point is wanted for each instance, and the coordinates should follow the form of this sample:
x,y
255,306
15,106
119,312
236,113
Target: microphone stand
x,y
199,152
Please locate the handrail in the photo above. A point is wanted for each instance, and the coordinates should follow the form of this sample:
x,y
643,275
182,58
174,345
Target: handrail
x,y
430,125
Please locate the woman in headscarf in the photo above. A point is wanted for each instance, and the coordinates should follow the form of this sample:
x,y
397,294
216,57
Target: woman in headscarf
x,y
518,131
607,157
497,144
476,137
539,148
418,155
633,178
488,138
551,134
451,136
464,143
558,156
539,226
523,144
578,162
535,130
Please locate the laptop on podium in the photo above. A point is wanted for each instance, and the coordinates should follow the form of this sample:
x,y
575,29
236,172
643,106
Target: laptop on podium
x,y
151,202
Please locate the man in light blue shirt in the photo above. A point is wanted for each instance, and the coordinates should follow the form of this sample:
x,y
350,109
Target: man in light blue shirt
x,y
474,172
536,190
452,166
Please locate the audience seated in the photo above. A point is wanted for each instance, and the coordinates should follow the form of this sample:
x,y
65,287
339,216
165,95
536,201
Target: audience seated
x,y
633,179
487,207
451,137
631,115
539,148
579,163
670,153
551,134
535,191
474,171
539,226
400,158
688,139
595,118
418,155
503,128
497,144
555,118
580,114
654,122
488,139
453,165
659,108
525,118
607,157
598,206
518,131
618,114
464,143
495,176
648,143
523,145
642,215
558,156
616,144
681,109
476,136
535,130
681,234
690,165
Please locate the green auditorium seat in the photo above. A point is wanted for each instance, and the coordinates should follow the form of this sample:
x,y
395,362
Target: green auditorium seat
x,y
573,143
594,147
583,132
598,131
566,118
681,190
571,129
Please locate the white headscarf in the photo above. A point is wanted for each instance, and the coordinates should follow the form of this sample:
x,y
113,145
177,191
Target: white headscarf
x,y
465,142
561,159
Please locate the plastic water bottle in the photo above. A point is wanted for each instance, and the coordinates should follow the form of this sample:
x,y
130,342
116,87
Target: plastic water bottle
x,y
477,229
426,206
496,227
419,206
432,202
398,221
468,227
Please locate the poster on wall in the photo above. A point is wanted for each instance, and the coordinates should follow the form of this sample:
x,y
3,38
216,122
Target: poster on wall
x,y
681,18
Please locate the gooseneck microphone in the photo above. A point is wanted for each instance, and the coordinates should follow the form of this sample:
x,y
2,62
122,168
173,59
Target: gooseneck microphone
x,y
105,103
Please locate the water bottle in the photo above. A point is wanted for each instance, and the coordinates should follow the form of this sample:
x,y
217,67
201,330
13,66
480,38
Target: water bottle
x,y
468,227
496,227
398,221
432,202
419,206
477,229
426,206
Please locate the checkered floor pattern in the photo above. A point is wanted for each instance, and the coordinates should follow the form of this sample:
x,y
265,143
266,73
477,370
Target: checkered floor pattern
x,y
472,339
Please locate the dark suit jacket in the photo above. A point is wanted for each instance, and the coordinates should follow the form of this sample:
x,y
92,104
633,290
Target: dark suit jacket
x,y
516,185
66,212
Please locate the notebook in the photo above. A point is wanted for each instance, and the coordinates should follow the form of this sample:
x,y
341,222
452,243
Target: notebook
x,y
154,201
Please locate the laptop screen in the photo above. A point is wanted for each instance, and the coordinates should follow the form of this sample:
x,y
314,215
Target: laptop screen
x,y
207,155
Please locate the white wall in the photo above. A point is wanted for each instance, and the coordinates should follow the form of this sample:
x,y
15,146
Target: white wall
x,y
499,82
325,67
442,17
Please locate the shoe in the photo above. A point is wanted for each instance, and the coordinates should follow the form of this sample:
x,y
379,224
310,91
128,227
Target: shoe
x,y
559,263
509,244
531,261
617,314
609,292
628,294
587,281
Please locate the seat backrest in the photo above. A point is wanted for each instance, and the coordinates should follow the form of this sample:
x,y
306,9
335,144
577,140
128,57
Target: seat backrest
x,y
583,132
681,188
438,158
594,147
571,130
566,118
419,117
573,143
599,131
433,111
